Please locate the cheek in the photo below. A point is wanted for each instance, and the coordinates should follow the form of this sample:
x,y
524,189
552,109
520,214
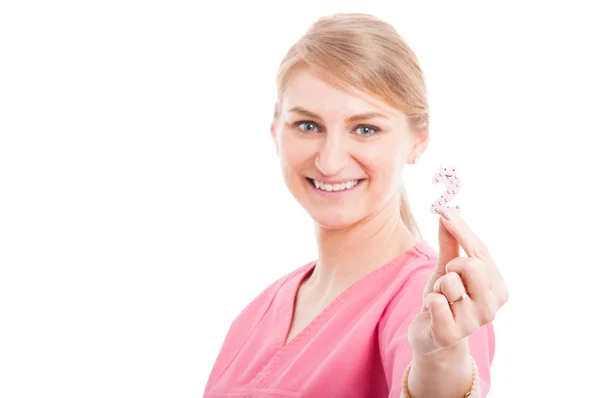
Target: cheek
x,y
295,155
384,163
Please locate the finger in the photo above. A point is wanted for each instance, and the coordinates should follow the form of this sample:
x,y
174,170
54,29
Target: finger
x,y
443,326
473,275
483,283
485,301
451,286
449,247
457,227
466,316
464,310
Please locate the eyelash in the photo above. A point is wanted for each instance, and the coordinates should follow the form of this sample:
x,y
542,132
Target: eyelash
x,y
373,128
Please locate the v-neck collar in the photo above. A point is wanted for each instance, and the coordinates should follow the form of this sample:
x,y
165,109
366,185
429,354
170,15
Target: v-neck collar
x,y
294,286
289,291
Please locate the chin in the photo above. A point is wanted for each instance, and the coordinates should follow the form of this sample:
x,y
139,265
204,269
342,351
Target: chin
x,y
333,219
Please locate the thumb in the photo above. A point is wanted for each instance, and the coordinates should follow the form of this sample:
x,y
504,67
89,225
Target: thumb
x,y
449,249
449,246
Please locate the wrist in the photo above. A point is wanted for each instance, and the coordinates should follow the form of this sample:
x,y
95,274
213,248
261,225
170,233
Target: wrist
x,y
446,357
450,372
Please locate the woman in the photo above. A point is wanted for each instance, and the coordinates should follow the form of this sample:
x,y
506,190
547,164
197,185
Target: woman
x,y
379,313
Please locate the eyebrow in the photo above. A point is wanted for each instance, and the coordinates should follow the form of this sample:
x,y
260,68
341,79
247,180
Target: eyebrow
x,y
353,118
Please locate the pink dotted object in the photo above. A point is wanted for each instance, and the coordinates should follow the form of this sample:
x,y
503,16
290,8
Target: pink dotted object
x,y
447,176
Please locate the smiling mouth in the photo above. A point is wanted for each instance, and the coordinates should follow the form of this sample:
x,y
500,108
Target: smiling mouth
x,y
346,186
448,175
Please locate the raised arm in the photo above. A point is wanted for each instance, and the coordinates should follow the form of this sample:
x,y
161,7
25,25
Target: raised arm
x,y
397,354
460,301
439,342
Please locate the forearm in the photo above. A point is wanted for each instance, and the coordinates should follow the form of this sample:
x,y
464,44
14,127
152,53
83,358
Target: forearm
x,y
447,374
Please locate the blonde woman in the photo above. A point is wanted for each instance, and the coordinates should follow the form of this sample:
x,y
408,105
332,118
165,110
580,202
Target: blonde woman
x,y
379,313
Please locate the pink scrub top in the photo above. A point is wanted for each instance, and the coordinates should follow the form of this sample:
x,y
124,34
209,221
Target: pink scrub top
x,y
357,347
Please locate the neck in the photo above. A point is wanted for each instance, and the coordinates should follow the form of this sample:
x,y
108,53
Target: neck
x,y
348,254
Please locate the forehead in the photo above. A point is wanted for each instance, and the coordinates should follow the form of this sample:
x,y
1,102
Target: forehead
x,y
306,89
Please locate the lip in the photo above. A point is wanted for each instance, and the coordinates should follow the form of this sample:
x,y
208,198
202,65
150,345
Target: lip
x,y
334,193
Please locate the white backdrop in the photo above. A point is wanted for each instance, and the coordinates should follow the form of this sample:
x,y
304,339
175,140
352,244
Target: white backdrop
x,y
142,206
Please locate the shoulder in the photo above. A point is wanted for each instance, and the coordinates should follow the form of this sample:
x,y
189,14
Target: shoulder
x,y
405,292
403,301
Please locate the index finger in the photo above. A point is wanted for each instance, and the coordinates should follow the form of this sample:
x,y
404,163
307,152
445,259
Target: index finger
x,y
472,245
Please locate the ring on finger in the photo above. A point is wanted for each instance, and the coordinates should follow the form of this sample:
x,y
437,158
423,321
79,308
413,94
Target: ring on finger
x,y
464,296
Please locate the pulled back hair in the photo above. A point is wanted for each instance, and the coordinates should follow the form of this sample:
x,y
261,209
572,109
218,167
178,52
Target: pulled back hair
x,y
365,53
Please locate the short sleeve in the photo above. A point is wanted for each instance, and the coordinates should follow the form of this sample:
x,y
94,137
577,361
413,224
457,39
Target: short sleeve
x,y
396,352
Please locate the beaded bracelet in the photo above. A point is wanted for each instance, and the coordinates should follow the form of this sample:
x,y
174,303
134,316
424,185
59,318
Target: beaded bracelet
x,y
474,381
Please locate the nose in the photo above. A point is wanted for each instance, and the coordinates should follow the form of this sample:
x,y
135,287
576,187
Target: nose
x,y
333,154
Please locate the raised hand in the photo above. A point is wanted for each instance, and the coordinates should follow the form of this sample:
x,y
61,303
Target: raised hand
x,y
463,293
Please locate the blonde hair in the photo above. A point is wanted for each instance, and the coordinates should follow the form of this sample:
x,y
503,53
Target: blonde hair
x,y
365,53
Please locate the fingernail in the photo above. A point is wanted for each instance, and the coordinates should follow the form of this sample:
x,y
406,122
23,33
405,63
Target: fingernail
x,y
446,214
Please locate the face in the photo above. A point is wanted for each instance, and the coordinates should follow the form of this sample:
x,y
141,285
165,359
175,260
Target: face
x,y
341,153
448,171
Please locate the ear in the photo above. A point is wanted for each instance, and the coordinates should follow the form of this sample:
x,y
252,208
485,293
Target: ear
x,y
420,145
274,124
274,136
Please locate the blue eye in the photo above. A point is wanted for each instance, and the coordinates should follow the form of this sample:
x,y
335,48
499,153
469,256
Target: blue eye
x,y
363,130
364,127
300,123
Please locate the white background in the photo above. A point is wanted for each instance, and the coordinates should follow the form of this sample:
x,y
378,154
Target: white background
x,y
142,206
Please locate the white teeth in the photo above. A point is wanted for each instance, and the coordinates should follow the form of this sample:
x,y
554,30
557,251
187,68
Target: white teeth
x,y
335,187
